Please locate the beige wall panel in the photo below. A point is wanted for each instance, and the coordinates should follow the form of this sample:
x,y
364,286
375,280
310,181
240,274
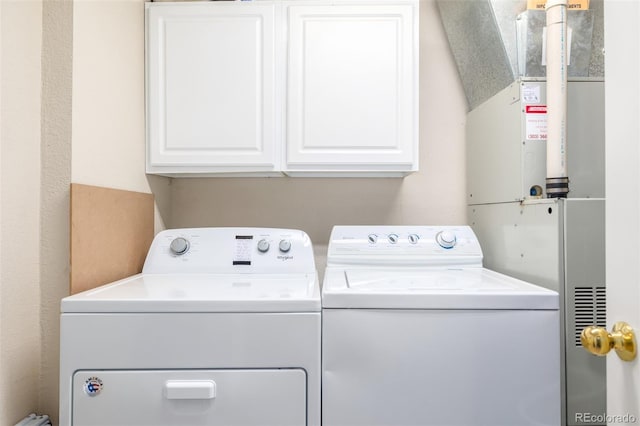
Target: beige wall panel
x,y
111,231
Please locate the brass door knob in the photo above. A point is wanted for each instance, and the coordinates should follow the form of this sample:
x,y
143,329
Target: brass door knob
x,y
599,341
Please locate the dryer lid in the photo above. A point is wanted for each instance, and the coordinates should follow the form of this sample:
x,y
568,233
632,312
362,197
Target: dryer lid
x,y
200,293
466,288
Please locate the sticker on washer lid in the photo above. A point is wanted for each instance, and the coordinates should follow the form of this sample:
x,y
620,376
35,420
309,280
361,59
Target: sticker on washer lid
x,y
93,386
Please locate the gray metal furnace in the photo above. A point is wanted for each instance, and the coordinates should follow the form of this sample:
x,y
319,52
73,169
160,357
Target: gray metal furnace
x,y
556,243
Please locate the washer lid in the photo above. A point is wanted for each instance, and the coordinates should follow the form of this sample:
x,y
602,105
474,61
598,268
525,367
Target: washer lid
x,y
468,288
200,293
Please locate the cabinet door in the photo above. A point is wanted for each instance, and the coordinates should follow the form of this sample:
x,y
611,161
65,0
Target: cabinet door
x,y
352,91
211,87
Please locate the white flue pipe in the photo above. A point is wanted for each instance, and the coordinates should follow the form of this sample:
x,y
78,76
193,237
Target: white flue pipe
x,y
556,48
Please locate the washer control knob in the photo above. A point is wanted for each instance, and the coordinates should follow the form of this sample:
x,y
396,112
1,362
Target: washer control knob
x,y
179,246
263,246
393,238
284,246
372,238
446,239
413,238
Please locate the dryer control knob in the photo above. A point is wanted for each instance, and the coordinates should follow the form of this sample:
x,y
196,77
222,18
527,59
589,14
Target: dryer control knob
x,y
372,238
393,238
179,246
263,246
284,246
413,238
446,239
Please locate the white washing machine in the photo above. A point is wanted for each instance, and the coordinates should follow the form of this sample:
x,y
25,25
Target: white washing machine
x,y
222,327
417,333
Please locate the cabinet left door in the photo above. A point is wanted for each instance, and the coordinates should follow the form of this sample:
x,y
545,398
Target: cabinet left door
x,y
210,88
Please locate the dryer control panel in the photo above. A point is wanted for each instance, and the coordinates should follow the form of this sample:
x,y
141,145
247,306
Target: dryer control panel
x,y
231,250
404,245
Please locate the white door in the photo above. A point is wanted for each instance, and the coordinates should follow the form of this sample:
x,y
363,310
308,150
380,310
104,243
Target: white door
x,y
622,94
211,87
352,86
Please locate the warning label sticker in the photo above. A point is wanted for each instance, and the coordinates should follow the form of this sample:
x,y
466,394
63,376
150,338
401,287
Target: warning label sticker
x,y
536,122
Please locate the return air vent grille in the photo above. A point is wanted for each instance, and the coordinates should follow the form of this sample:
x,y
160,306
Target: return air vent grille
x,y
590,308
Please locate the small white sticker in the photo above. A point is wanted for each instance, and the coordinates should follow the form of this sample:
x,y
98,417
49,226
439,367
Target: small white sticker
x,y
531,93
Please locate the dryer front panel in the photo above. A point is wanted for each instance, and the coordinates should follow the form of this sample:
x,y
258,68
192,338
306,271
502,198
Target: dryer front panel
x,y
260,397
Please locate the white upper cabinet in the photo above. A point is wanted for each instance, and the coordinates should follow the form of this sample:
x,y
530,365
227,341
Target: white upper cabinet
x,y
211,88
352,87
302,87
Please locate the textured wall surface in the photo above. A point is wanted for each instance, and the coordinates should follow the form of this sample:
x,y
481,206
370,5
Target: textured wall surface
x,y
57,37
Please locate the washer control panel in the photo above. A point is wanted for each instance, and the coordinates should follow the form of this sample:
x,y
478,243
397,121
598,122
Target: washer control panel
x,y
230,250
416,245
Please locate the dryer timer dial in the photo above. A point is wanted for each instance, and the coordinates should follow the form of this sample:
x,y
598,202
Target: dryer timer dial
x,y
179,246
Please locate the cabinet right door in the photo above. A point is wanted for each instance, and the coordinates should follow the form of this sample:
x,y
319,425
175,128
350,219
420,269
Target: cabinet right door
x,y
352,87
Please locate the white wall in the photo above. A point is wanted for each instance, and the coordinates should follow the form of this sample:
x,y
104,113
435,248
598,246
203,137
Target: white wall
x,y
20,351
435,195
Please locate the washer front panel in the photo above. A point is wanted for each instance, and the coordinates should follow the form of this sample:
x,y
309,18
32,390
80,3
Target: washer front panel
x,y
440,368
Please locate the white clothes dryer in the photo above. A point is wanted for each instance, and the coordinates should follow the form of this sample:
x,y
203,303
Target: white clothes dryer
x,y
222,327
417,333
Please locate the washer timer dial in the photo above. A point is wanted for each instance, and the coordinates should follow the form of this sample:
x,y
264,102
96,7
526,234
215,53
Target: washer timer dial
x,y
446,239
